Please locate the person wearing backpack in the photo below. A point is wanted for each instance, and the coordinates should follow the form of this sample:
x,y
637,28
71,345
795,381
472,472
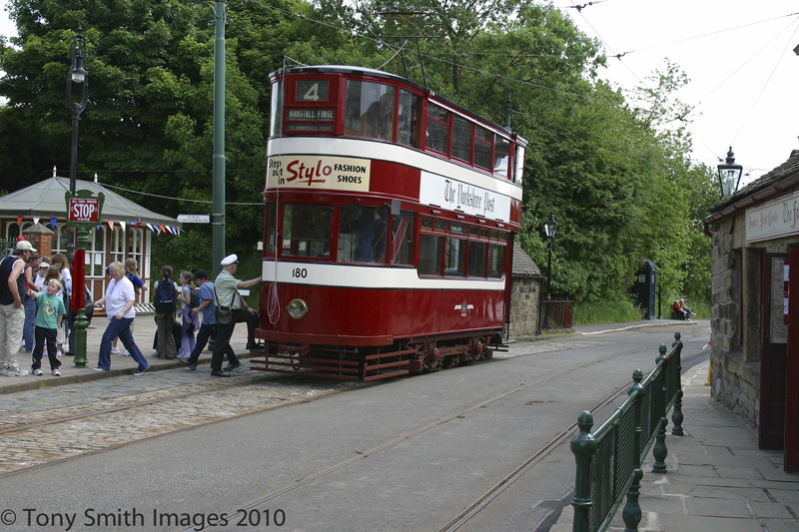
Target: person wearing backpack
x,y
165,298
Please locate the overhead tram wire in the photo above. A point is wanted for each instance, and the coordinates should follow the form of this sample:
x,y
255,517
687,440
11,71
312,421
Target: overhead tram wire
x,y
187,200
768,80
716,32
472,69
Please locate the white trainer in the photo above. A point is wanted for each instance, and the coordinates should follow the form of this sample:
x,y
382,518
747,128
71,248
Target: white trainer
x,y
38,372
19,372
56,373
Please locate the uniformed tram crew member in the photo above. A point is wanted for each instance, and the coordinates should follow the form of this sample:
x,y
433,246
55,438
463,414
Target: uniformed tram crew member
x,y
227,295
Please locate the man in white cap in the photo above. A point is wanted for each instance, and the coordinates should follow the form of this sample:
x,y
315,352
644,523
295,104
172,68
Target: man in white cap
x,y
12,313
227,295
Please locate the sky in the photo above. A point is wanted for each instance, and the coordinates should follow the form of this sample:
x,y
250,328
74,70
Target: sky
x,y
737,54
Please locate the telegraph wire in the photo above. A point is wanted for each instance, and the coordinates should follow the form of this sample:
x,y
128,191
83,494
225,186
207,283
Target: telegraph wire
x,y
789,43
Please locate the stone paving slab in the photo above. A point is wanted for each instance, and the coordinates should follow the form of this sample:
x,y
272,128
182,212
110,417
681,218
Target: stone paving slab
x,y
717,479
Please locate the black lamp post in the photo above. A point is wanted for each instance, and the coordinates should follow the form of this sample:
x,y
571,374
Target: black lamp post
x,y
550,227
729,175
78,75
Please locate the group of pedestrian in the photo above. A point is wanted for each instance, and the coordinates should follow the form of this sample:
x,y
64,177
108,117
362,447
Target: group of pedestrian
x,y
34,303
34,298
187,302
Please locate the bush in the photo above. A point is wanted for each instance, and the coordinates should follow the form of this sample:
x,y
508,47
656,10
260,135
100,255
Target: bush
x,y
587,313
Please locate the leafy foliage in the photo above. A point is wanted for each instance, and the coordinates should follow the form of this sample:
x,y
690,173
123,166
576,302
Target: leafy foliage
x,y
615,172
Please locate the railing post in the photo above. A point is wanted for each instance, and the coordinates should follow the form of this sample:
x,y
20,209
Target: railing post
x,y
677,416
632,510
583,445
660,451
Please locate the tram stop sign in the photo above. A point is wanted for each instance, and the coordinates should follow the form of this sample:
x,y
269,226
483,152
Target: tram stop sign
x,y
83,208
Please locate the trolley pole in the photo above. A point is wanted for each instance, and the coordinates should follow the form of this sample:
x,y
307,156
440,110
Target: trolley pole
x,y
218,218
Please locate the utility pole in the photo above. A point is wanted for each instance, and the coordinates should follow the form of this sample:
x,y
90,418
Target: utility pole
x,y
218,205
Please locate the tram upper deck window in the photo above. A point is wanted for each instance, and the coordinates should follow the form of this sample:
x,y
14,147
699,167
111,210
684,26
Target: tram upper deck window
x,y
437,128
462,139
409,118
370,110
362,233
518,174
276,109
501,153
306,230
482,147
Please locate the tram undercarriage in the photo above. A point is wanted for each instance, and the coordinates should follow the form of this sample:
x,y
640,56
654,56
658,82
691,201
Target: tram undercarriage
x,y
405,357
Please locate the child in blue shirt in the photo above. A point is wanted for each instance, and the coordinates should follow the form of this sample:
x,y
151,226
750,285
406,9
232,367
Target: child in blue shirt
x,y
49,315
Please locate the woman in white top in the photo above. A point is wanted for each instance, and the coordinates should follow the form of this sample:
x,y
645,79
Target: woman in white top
x,y
118,300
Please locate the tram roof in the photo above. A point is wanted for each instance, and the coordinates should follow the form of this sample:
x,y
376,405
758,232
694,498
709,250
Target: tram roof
x,y
343,69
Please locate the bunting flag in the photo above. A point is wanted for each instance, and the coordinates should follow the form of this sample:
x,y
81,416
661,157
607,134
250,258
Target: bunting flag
x,y
150,227
162,227
19,219
53,220
35,219
110,224
122,225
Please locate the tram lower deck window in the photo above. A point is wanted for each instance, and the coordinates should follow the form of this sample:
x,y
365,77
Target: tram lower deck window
x,y
362,232
430,251
306,230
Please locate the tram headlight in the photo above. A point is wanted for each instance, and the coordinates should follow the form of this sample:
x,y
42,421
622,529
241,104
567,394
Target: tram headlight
x,y
297,308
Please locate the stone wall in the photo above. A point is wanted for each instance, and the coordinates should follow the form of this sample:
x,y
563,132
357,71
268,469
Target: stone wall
x,y
735,368
525,298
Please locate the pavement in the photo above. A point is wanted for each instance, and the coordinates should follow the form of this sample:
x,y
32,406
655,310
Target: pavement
x,y
143,333
717,477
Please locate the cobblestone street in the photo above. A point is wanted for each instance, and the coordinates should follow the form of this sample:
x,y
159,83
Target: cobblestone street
x,y
44,425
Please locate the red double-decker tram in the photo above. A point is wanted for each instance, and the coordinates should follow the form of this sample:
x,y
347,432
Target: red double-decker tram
x,y
390,215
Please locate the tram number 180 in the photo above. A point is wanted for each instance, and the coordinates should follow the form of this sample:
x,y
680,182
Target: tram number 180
x,y
299,273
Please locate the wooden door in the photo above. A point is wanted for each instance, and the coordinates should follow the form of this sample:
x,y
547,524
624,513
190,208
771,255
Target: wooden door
x,y
774,330
791,460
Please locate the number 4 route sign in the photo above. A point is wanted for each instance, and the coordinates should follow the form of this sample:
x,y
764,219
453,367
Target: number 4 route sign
x,y
83,208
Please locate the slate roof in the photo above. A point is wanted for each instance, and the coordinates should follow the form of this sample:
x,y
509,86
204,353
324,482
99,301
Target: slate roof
x,y
523,265
46,199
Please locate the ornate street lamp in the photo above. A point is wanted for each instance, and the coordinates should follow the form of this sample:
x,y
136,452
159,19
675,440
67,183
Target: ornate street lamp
x,y
729,175
82,209
77,75
550,227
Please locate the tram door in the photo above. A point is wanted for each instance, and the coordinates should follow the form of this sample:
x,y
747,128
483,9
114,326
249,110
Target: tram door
x,y
774,330
791,460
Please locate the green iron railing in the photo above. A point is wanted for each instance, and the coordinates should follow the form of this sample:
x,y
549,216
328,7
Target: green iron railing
x,y
609,459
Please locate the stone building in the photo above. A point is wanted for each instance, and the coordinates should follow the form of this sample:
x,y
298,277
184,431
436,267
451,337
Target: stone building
x,y
755,314
525,298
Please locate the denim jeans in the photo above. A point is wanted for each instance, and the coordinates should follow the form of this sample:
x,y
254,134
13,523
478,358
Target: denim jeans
x,y
119,328
30,317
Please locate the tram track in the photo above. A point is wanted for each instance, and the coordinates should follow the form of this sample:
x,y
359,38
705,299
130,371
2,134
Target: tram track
x,y
83,429
558,439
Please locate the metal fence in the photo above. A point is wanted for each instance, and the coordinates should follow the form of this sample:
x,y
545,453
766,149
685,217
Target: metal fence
x,y
609,459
